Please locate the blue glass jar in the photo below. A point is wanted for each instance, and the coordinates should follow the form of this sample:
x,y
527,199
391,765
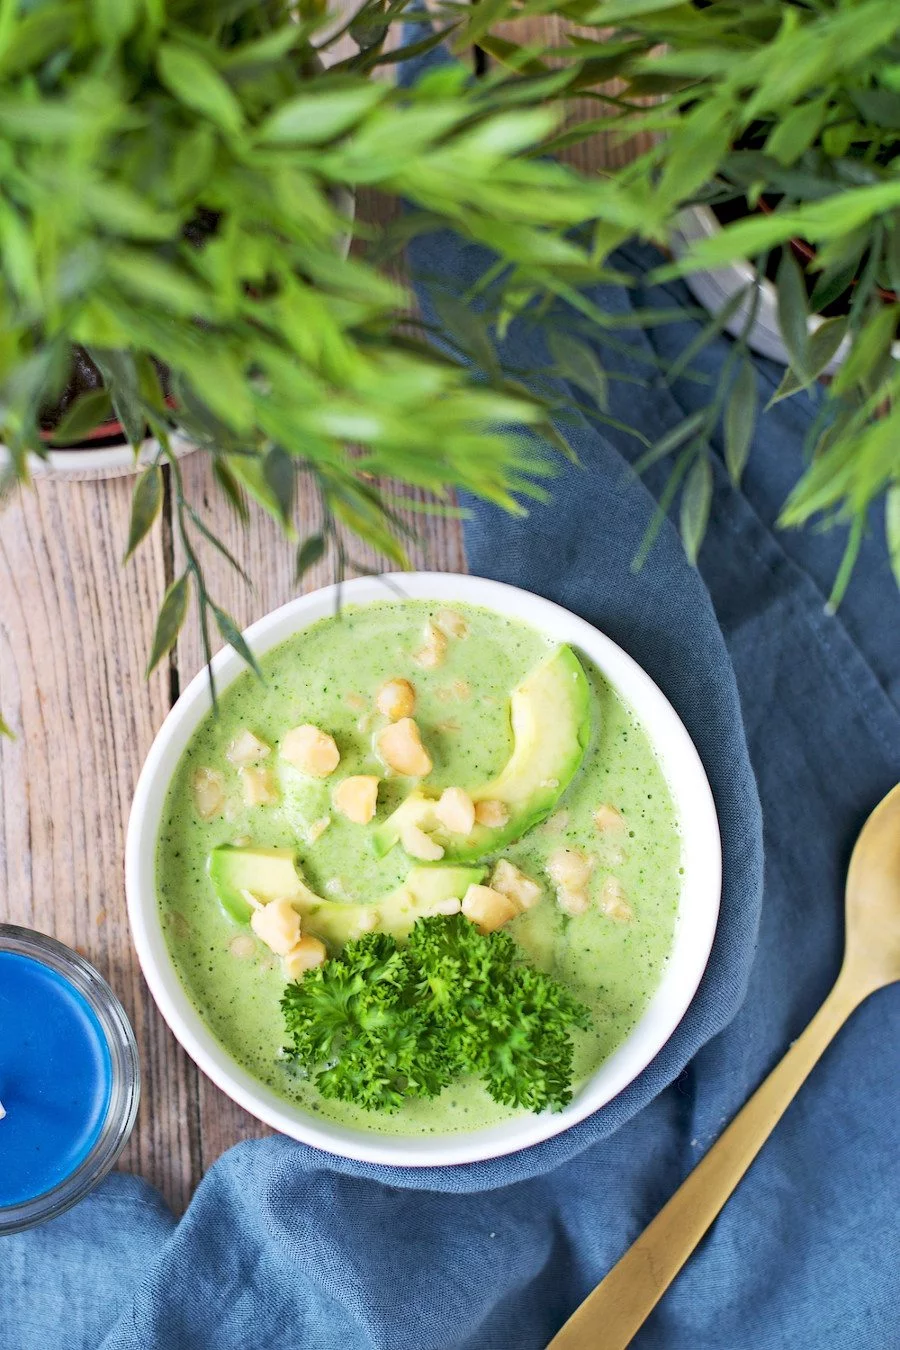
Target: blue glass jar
x,y
69,1078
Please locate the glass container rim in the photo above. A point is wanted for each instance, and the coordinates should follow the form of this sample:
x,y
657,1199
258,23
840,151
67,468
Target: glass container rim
x,y
125,1067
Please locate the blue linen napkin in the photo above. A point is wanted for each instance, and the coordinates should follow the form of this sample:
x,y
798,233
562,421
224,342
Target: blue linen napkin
x,y
285,1247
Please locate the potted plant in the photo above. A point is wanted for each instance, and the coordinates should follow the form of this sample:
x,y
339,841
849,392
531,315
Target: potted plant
x,y
176,178
774,171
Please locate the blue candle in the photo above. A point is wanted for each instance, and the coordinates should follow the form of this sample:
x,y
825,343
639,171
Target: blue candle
x,y
69,1078
55,1078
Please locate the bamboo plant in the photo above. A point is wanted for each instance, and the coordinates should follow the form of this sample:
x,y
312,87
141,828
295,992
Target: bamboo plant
x,y
784,115
175,180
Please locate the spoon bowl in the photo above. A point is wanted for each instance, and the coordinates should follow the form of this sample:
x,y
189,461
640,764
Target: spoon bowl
x,y
872,957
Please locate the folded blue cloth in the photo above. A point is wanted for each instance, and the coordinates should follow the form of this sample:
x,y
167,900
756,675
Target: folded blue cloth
x,y
285,1247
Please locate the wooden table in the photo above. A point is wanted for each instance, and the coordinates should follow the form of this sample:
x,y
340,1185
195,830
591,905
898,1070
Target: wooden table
x,y
75,631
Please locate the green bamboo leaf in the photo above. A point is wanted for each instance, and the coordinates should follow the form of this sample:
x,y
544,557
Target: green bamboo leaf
x,y
468,329
369,524
114,19
838,276
616,11
146,503
855,458
793,313
217,544
892,527
160,284
505,134
694,152
865,289
869,346
369,26
149,385
596,70
879,106
892,257
484,16
695,503
44,122
835,216
280,472
118,209
848,562
551,433
36,36
232,489
5,729
577,362
191,163
274,47
673,438
234,637
122,378
411,50
313,119
666,498
716,324
198,419
248,472
311,551
196,84
837,139
170,621
740,419
512,55
795,132
84,415
823,345
20,260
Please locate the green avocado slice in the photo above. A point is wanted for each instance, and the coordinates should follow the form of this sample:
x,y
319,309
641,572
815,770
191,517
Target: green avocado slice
x,y
273,874
550,714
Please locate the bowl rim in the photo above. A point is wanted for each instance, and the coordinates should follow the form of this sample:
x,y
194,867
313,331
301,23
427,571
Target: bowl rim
x,y
696,919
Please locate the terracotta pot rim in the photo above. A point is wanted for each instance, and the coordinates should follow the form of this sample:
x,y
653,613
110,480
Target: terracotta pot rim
x,y
101,432
111,428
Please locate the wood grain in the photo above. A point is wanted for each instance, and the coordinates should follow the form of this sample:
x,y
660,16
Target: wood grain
x,y
74,633
604,149
75,630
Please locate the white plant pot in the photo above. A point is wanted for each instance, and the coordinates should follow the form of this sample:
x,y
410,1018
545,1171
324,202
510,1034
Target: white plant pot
x,y
109,461
713,289
115,461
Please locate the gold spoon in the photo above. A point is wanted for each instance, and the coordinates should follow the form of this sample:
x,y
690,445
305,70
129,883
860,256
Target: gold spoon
x,y
618,1307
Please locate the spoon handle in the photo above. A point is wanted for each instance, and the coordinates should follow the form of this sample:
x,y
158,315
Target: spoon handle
x,y
611,1315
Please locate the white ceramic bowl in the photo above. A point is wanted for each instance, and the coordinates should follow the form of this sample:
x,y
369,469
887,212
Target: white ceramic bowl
x,y
697,912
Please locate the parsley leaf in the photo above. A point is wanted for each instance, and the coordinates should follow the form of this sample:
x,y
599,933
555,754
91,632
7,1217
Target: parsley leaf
x,y
381,1023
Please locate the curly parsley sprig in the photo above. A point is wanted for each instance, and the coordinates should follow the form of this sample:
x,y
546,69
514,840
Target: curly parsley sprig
x,y
382,1023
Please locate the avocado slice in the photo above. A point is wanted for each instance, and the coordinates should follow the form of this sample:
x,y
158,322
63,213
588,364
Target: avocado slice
x,y
267,873
550,714
273,874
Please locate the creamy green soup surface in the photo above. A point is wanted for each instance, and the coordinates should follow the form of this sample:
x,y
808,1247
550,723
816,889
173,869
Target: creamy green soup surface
x,y
328,675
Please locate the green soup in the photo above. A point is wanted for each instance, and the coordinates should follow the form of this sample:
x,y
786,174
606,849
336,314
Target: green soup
x,y
328,675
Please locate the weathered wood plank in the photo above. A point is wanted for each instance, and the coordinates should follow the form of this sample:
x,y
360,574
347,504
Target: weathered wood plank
x,y
75,630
